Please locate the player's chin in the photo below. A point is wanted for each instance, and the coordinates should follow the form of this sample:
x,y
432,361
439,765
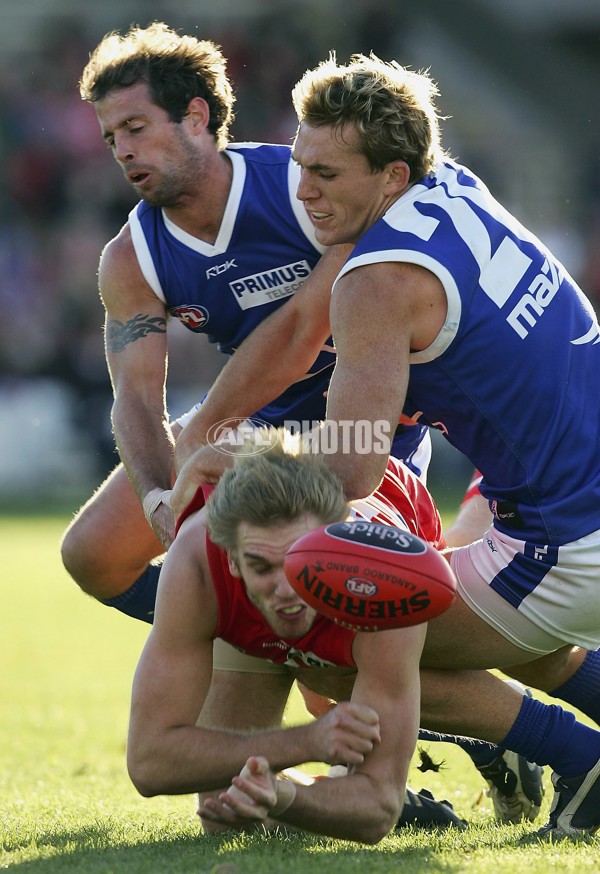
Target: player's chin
x,y
329,235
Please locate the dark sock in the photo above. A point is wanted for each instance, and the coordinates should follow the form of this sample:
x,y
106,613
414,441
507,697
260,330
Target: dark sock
x,y
138,601
480,751
582,690
548,735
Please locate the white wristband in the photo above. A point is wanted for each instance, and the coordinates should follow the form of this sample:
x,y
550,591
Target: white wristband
x,y
286,793
153,500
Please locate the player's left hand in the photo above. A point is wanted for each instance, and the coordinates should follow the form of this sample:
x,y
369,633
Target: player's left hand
x,y
249,798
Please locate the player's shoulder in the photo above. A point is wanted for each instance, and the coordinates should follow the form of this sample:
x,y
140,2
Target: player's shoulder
x,y
188,553
266,154
118,251
186,603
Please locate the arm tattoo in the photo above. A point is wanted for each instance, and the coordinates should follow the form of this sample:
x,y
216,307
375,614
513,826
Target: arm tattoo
x,y
120,334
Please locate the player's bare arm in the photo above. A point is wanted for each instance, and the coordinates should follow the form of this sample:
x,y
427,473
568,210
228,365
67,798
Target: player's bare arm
x,y
471,522
167,752
379,314
277,352
136,353
364,805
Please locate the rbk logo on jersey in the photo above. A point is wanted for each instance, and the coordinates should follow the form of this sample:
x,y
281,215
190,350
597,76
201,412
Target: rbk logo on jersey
x,y
270,285
220,268
192,316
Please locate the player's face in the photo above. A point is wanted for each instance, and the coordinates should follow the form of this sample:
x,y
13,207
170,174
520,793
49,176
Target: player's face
x,y
258,560
342,195
158,157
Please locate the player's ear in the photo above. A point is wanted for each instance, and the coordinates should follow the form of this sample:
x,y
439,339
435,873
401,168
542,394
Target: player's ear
x,y
234,569
398,177
198,113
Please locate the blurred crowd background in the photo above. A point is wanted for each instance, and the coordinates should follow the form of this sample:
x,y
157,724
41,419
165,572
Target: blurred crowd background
x,y
518,82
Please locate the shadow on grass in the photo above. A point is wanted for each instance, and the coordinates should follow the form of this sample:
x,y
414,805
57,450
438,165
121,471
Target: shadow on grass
x,y
100,850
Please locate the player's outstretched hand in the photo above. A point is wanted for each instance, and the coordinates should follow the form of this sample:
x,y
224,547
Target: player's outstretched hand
x,y
346,734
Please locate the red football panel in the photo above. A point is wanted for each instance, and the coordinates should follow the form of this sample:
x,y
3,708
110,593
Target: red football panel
x,y
364,589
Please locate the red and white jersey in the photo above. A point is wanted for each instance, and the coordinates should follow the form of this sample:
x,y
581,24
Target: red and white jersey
x,y
403,502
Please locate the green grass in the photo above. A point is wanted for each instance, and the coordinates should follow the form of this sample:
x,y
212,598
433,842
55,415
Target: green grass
x,y
66,803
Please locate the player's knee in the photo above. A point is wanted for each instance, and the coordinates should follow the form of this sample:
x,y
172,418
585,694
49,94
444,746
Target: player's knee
x,y
550,671
73,552
82,560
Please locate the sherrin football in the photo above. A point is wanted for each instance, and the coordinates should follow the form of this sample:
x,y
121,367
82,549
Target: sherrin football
x,y
370,577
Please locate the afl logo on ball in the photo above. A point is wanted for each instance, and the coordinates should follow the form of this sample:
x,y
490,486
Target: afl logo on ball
x,y
379,536
361,588
193,317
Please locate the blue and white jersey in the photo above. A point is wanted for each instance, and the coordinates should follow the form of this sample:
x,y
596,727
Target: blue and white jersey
x,y
263,253
512,378
265,250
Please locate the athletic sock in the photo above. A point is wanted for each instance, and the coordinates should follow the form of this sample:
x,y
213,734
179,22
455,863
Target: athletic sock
x,y
582,690
138,601
480,751
548,735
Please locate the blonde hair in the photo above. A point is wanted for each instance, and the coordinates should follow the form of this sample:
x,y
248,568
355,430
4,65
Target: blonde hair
x,y
391,107
176,69
273,488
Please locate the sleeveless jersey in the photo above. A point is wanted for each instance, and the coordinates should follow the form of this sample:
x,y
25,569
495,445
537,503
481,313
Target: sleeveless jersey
x,y
264,251
512,378
401,500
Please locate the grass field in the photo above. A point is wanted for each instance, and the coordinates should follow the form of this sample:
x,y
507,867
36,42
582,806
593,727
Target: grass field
x,y
66,803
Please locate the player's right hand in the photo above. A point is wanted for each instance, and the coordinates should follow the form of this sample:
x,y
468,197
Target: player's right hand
x,y
163,524
206,465
346,734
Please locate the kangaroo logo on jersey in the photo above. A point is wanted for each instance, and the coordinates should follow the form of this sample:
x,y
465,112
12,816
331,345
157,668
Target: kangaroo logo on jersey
x,y
270,285
192,316
592,336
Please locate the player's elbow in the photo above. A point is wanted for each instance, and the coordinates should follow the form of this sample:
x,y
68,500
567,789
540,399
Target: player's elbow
x,y
383,817
357,489
144,774
373,832
359,484
390,814
360,475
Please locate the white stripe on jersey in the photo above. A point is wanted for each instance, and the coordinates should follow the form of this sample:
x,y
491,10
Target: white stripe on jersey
x,y
373,509
142,251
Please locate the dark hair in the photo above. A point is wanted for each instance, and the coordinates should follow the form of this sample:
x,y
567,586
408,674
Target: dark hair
x,y
176,68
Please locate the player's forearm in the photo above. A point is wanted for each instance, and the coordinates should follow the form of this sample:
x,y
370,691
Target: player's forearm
x,y
188,759
273,357
353,418
472,521
145,444
354,808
